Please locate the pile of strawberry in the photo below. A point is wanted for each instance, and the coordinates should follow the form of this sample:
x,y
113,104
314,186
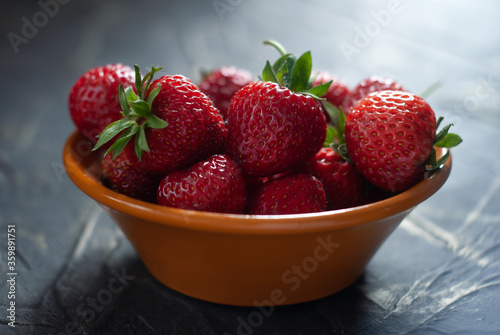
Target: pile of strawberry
x,y
292,141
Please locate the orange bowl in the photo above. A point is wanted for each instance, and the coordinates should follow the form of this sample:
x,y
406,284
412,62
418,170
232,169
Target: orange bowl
x,y
249,260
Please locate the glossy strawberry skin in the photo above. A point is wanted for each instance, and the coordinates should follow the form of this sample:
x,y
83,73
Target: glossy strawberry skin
x,y
337,91
93,99
195,129
213,185
295,194
344,186
122,176
367,86
222,84
271,129
389,137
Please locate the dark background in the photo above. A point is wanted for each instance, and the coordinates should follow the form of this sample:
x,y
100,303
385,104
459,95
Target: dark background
x,y
439,273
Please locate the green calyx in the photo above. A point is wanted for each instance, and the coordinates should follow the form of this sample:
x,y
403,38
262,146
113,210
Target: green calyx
x,y
137,115
443,139
293,73
335,133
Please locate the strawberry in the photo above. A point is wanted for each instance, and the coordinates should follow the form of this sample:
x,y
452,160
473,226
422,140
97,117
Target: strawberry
x,y
122,176
173,122
222,84
336,92
344,186
93,99
390,136
214,185
277,123
367,86
294,194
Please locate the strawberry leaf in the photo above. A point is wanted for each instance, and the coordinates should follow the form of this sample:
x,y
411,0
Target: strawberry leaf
x,y
433,164
438,123
341,149
122,140
148,78
280,67
314,96
287,77
331,135
338,119
138,80
301,72
130,94
319,90
442,134
152,95
112,130
268,73
155,122
141,108
444,139
312,78
141,139
443,159
449,141
141,143
122,97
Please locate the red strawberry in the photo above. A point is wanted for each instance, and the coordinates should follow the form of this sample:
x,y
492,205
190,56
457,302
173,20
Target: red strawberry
x,y
122,176
367,86
344,186
93,99
299,193
390,136
214,185
337,90
174,124
271,127
222,84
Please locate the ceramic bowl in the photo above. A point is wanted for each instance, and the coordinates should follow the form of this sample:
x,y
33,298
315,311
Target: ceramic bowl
x,y
249,260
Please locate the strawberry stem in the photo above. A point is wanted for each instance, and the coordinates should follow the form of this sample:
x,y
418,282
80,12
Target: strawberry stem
x,y
430,90
277,45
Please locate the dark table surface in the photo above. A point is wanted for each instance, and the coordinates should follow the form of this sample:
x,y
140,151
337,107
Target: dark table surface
x,y
438,273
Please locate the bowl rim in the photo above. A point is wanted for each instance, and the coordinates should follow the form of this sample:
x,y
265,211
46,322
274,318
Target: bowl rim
x,y
245,223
